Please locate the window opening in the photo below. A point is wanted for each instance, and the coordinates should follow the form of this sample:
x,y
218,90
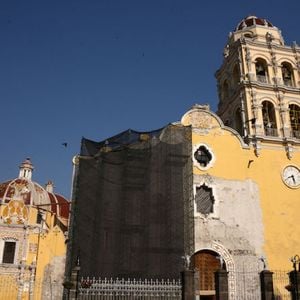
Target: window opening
x,y
203,156
204,200
39,218
295,120
287,74
236,75
9,252
269,119
238,122
261,73
225,91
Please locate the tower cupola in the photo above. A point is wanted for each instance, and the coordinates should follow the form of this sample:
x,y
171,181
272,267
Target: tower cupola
x,y
257,29
26,169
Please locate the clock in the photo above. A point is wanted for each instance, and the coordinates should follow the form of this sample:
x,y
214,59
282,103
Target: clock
x,y
291,176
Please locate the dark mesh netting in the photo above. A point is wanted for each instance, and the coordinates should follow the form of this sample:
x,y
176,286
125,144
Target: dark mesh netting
x,y
132,209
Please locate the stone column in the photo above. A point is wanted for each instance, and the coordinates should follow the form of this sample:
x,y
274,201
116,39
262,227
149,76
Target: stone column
x,y
32,284
221,284
71,286
188,289
266,283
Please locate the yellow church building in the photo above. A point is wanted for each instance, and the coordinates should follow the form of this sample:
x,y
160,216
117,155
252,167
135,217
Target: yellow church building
x,y
246,161
220,189
33,227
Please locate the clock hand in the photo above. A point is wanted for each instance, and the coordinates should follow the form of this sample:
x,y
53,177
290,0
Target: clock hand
x,y
293,178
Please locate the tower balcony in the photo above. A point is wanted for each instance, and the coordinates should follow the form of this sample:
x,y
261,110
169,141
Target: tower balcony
x,y
262,78
271,131
295,134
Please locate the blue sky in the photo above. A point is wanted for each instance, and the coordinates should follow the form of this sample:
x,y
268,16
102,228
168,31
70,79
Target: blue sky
x,y
94,68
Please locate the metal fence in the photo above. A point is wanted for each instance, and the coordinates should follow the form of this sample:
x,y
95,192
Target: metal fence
x,y
280,282
247,285
14,286
127,289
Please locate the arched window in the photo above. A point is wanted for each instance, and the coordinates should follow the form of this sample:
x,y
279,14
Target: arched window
x,y
269,118
238,124
236,74
287,74
248,35
225,90
295,120
261,70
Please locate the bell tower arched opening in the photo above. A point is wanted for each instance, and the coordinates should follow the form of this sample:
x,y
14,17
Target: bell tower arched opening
x,y
295,120
261,70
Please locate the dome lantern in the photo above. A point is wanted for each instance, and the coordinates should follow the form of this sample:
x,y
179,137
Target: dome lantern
x,y
26,169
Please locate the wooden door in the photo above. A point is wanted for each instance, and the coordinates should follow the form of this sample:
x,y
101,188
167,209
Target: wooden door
x,y
206,264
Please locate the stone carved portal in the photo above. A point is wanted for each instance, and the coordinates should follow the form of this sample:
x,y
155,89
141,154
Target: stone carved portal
x,y
209,259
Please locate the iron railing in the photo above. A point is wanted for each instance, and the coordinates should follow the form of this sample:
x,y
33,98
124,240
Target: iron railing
x,y
126,289
280,284
14,287
262,78
295,134
271,131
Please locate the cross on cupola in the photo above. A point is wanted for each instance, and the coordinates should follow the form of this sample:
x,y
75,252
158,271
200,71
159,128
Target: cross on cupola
x,y
26,169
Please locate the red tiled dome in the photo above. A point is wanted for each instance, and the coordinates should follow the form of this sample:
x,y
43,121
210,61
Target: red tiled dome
x,y
33,194
252,21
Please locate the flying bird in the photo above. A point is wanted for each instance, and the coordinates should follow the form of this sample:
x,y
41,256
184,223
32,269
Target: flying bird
x,y
65,144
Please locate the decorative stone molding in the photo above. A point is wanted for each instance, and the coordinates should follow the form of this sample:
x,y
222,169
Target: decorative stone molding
x,y
257,148
289,151
248,59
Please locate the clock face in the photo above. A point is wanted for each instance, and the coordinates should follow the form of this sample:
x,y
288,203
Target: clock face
x,y
291,176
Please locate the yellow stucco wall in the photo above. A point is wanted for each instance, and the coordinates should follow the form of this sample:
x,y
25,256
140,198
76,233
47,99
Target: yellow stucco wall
x,y
40,245
280,205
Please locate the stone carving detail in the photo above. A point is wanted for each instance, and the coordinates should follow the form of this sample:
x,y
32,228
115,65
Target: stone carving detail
x,y
230,266
274,61
289,151
15,212
248,59
201,120
226,51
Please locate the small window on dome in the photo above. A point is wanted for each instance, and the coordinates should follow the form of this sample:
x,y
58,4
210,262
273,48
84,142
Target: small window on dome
x,y
248,35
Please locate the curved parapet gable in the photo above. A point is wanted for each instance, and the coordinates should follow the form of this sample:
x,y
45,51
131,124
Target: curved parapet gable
x,y
203,121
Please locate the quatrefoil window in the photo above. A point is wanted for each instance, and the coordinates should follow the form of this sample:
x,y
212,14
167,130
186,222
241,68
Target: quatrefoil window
x,y
203,156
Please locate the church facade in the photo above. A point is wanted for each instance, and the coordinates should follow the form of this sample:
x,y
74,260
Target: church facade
x,y
228,199
33,227
247,184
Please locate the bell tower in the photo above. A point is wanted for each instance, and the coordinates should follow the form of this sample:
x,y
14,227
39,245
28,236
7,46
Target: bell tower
x,y
259,86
